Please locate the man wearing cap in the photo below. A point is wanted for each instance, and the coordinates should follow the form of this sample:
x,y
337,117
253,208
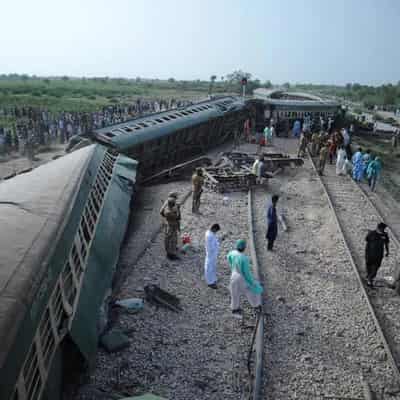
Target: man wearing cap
x,y
377,242
242,280
172,216
173,195
197,189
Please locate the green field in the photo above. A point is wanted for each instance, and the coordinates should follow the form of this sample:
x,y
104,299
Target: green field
x,y
83,94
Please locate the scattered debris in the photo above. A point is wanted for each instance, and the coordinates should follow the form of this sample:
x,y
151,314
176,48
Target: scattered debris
x,y
156,295
187,248
273,161
147,396
234,170
282,220
133,305
223,179
114,340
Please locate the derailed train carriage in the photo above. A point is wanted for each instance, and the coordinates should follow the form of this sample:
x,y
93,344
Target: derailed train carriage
x,y
167,138
62,228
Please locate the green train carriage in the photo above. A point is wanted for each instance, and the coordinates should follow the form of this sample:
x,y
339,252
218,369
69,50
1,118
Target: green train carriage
x,y
57,261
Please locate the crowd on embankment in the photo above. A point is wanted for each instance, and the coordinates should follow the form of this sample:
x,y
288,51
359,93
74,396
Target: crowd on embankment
x,y
33,127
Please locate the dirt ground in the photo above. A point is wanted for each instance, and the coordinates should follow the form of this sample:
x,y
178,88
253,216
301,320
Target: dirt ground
x,y
16,163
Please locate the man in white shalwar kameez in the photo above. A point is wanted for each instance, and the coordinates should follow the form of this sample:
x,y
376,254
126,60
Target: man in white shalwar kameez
x,y
340,161
212,250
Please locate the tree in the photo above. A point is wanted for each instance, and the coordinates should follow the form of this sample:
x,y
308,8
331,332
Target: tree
x,y
65,78
268,84
171,80
212,80
46,81
237,76
286,85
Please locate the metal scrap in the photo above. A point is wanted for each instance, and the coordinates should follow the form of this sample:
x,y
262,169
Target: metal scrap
x,y
233,171
224,179
158,296
273,161
177,170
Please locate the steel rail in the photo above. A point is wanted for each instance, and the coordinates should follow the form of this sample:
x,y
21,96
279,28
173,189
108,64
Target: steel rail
x,y
259,333
395,236
379,329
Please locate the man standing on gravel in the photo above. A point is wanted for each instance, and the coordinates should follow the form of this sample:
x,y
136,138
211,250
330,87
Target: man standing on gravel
x,y
377,242
212,250
272,223
172,215
242,280
197,189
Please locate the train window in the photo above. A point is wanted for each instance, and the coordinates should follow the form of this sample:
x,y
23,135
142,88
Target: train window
x,y
136,127
159,120
166,119
143,124
109,134
189,111
184,113
172,116
127,129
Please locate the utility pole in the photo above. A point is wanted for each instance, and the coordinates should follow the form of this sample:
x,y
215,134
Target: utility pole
x,y
244,83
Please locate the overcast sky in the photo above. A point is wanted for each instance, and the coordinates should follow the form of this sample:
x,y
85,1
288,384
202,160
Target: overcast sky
x,y
318,41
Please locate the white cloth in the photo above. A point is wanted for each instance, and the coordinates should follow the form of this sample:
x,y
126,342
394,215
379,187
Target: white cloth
x,y
210,264
346,137
254,168
341,159
347,167
238,287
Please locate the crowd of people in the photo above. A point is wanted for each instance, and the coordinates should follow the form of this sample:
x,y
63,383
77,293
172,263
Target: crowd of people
x,y
336,147
33,127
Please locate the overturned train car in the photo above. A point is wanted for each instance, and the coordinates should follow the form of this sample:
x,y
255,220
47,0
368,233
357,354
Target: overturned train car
x,y
62,228
160,140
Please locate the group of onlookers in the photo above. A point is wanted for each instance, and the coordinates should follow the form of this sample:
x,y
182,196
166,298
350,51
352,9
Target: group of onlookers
x,y
337,146
33,127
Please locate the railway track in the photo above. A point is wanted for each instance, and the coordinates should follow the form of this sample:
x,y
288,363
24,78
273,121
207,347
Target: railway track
x,y
386,211
257,343
355,214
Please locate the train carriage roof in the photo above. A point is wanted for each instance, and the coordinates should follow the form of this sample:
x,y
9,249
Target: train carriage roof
x,y
287,100
32,209
139,130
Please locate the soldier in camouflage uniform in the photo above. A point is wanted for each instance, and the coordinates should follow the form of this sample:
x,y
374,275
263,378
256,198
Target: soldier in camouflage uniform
x,y
172,216
197,189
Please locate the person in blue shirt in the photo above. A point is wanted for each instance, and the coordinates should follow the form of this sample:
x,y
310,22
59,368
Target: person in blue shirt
x,y
242,280
373,171
272,222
